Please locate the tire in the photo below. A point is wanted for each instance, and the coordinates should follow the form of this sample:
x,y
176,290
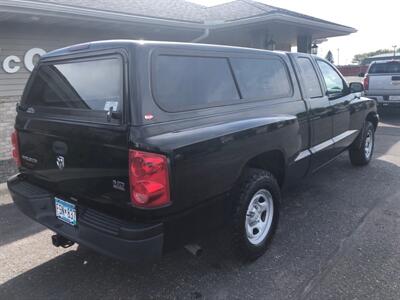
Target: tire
x,y
361,154
254,228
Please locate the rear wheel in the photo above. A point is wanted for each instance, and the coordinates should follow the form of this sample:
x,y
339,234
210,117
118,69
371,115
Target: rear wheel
x,y
362,154
256,214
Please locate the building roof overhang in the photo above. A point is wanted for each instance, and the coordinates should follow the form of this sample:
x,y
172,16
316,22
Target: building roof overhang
x,y
33,11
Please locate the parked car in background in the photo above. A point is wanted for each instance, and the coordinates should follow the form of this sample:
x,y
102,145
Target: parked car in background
x,y
382,82
133,148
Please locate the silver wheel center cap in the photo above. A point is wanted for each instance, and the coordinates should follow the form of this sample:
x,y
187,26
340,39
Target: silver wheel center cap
x,y
259,216
369,142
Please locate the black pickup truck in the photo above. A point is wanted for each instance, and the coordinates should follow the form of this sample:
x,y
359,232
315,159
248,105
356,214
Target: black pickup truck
x,y
132,148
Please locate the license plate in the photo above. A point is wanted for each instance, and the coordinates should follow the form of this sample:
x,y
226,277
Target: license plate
x,y
65,211
394,98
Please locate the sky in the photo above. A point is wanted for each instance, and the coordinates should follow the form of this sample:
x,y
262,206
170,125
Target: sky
x,y
376,22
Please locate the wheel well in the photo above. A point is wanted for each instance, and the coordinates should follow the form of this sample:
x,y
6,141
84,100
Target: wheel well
x,y
373,118
272,161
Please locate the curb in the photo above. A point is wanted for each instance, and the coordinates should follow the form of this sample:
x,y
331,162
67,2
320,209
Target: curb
x,y
3,188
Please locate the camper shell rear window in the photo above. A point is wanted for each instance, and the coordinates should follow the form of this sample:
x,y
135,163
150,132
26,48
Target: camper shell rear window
x,y
79,87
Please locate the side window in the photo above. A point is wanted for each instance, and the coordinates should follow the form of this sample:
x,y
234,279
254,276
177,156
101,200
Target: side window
x,y
310,77
333,81
189,82
262,78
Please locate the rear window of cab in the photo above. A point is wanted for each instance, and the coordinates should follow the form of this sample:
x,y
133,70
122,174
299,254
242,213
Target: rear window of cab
x,y
182,83
385,68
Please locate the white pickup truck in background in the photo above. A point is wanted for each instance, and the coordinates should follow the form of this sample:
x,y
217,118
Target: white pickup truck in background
x,y
382,82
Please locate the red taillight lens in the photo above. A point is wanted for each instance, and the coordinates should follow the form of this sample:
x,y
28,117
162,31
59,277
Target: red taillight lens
x,y
149,180
366,82
15,148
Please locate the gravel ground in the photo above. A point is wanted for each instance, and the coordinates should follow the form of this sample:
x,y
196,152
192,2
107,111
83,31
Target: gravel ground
x,y
338,238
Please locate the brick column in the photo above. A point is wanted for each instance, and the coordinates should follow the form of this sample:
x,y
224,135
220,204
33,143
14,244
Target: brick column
x,y
7,118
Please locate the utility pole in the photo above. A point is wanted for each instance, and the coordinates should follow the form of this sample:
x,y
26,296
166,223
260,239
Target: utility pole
x,y
338,56
394,50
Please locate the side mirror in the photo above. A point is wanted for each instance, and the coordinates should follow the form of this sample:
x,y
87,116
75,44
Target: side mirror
x,y
361,74
356,87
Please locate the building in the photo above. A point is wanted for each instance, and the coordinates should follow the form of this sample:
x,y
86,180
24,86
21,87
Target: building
x,y
380,57
353,70
30,28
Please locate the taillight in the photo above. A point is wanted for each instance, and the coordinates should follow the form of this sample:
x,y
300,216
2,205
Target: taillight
x,y
366,82
15,148
148,178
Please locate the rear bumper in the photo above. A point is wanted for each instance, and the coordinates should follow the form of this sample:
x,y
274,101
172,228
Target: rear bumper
x,y
383,99
130,242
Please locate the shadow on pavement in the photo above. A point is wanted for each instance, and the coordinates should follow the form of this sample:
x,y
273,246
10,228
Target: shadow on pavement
x,y
317,215
14,225
388,135
390,116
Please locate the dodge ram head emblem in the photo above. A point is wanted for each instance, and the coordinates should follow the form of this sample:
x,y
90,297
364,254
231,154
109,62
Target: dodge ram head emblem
x,y
60,162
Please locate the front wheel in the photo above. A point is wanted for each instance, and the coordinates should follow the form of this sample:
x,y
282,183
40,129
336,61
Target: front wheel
x,y
362,154
256,214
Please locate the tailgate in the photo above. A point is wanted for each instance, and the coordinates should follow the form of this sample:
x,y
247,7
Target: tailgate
x,y
75,160
388,84
72,136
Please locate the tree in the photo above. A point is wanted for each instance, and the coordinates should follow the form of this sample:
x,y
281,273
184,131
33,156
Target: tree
x,y
329,57
358,58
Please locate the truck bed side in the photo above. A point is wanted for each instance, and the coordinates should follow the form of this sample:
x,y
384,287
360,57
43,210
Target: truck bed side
x,y
208,154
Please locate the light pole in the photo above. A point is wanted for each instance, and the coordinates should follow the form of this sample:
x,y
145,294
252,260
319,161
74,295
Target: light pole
x,y
394,50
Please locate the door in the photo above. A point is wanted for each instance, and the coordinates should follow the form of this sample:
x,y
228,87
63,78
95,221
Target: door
x,y
340,99
320,111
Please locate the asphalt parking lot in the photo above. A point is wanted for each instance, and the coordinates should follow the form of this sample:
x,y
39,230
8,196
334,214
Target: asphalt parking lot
x,y
339,238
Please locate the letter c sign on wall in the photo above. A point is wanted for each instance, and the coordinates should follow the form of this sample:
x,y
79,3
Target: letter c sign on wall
x,y
11,64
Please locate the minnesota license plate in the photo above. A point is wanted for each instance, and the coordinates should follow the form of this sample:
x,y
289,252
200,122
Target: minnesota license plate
x,y
65,211
394,98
